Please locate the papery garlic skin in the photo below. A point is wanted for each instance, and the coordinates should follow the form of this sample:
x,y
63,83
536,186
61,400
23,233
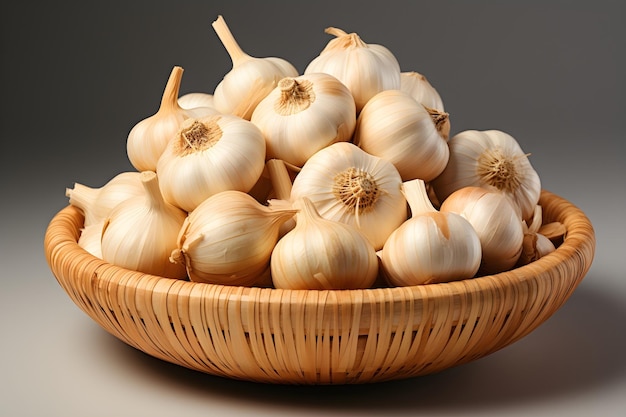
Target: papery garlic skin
x,y
494,160
395,127
417,86
97,203
321,254
228,239
366,69
193,100
348,185
303,115
141,232
497,222
431,246
209,155
148,138
249,80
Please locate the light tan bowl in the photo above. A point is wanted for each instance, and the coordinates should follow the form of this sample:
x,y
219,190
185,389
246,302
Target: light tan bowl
x,y
321,337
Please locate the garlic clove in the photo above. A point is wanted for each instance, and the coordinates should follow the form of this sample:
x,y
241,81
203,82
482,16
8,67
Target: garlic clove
x,y
322,254
97,203
395,127
209,155
303,115
192,100
149,137
348,185
250,78
228,239
417,86
431,246
366,69
90,238
141,232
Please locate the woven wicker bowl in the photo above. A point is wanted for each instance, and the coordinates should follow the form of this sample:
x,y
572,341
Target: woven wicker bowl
x,y
321,337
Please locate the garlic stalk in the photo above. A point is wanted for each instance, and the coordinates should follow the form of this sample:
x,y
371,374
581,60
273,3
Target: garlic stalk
x,y
430,247
321,254
366,69
417,86
97,203
228,239
148,138
497,222
141,232
209,155
250,78
346,184
395,127
494,160
303,115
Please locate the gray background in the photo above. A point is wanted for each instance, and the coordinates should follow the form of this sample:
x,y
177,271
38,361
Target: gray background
x,y
76,76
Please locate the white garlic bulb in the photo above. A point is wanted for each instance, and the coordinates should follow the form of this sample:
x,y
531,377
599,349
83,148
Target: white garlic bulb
x,y
148,138
348,185
494,160
305,114
97,203
209,155
228,239
430,247
249,80
194,100
497,222
366,69
395,127
417,86
321,254
141,232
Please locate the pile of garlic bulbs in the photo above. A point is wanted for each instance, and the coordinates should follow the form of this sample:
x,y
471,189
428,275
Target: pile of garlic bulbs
x,y
343,176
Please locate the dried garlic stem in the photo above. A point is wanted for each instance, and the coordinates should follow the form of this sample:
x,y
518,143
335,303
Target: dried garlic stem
x,y
169,100
279,176
237,55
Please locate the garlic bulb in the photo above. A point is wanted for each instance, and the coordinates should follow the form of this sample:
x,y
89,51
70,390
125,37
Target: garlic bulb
x,y
417,86
430,247
209,155
250,78
494,160
141,232
366,69
148,138
496,221
228,239
535,244
395,127
193,100
97,203
303,115
348,185
321,254
91,237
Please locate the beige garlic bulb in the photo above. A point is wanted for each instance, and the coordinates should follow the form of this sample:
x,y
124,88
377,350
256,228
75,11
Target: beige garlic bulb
x,y
348,185
305,114
494,160
395,127
430,247
195,100
97,203
321,254
209,155
250,78
141,232
535,245
90,238
417,86
228,239
365,68
148,138
496,221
